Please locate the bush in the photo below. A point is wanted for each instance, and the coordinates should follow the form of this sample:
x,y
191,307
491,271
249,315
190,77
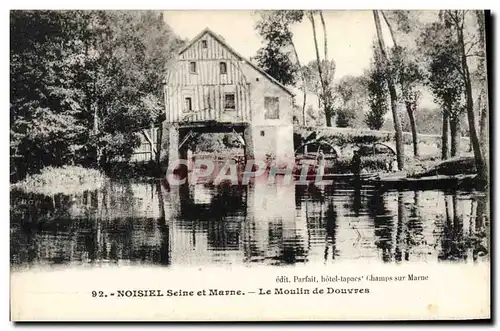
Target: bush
x,y
377,163
345,117
343,136
455,166
67,179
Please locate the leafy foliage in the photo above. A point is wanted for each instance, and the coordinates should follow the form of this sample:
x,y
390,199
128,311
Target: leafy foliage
x,y
351,92
375,163
443,74
214,142
276,57
313,82
277,64
377,92
82,82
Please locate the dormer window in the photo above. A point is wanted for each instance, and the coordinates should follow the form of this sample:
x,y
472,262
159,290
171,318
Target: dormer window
x,y
192,67
223,68
203,44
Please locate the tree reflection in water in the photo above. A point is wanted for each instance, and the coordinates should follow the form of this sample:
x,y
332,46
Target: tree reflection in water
x,y
383,224
456,242
151,223
331,231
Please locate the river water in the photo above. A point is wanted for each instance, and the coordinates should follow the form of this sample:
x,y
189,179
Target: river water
x,y
149,223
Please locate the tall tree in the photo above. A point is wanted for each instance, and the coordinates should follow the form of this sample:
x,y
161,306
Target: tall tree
x,y
377,91
404,66
351,92
393,94
275,57
481,77
408,74
456,21
325,77
313,81
445,81
44,103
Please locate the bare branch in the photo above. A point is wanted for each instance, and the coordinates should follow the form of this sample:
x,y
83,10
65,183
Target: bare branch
x,y
454,16
472,44
462,21
464,12
458,67
478,54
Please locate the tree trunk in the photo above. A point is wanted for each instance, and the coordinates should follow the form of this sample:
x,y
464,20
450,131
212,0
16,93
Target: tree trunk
x,y
389,26
324,34
325,45
328,77
483,96
409,105
455,134
321,76
393,94
444,137
476,146
483,130
413,125
159,142
328,115
304,89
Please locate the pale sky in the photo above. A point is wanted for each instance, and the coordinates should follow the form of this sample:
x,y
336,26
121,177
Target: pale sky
x,y
350,34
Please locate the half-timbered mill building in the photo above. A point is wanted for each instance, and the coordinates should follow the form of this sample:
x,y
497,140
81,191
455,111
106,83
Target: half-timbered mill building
x,y
212,88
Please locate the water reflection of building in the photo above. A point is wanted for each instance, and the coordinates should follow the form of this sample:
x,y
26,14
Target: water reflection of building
x,y
207,226
272,231
203,224
238,224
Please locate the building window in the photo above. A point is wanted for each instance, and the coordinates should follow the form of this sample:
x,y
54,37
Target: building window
x,y
229,101
223,68
188,105
192,67
262,133
272,108
203,44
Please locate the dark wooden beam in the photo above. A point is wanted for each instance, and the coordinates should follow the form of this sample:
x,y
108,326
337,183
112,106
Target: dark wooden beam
x,y
212,126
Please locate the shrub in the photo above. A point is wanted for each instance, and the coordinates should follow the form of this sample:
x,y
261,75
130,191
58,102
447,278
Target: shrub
x,y
377,163
345,117
455,166
66,179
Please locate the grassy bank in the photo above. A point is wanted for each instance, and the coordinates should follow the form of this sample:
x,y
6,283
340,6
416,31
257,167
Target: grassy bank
x,y
67,179
455,166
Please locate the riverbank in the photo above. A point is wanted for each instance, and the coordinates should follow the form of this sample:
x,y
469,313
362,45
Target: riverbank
x,y
75,179
66,179
452,173
462,165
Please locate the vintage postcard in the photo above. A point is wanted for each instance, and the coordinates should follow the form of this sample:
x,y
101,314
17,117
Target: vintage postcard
x,y
266,165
